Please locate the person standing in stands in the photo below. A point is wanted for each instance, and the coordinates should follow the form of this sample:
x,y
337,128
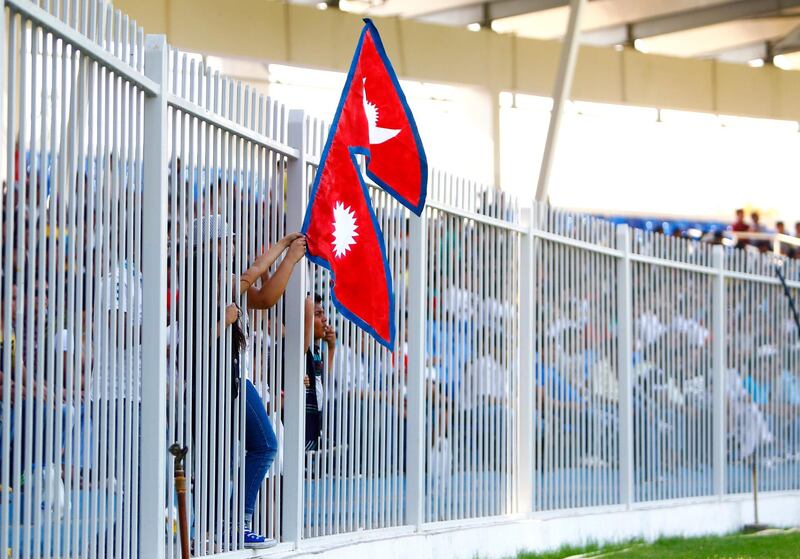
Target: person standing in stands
x,y
780,229
796,252
739,226
756,227
261,444
313,380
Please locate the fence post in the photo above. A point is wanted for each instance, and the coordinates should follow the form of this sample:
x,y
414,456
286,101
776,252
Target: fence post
x,y
718,360
415,382
625,344
154,305
294,404
525,426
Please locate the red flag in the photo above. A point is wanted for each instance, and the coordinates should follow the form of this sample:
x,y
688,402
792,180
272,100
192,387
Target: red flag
x,y
373,119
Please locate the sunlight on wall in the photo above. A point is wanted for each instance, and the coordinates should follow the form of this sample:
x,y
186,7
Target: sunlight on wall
x,y
635,160
454,122
611,158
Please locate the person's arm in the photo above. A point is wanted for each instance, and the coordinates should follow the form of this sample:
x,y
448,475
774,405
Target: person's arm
x,y
261,265
272,289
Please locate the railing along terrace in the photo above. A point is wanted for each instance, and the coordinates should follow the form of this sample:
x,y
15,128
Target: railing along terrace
x,y
545,360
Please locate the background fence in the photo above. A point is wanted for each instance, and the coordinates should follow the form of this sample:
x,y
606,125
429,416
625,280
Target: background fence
x,y
545,360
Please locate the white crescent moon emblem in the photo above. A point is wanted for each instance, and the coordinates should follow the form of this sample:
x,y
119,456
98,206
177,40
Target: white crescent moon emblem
x,y
377,135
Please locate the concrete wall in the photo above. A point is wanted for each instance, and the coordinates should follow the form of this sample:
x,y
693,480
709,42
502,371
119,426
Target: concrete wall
x,y
503,539
300,35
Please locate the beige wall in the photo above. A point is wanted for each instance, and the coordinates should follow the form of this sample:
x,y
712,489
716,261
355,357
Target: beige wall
x,y
305,36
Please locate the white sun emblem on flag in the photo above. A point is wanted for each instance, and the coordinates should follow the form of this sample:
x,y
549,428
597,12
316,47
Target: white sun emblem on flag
x,y
344,229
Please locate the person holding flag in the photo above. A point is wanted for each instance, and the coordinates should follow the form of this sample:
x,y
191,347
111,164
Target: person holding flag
x,y
261,443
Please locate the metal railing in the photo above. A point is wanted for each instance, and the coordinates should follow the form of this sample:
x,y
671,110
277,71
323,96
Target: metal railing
x,y
545,360
778,243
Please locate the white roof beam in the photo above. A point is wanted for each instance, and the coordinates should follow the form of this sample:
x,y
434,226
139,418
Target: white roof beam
x,y
790,43
744,53
486,12
689,19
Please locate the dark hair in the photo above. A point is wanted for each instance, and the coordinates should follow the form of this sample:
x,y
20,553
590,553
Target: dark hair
x,y
317,298
779,224
238,338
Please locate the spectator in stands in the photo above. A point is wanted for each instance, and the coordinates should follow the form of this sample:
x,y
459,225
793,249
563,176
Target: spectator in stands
x,y
739,226
554,392
648,410
261,444
484,396
755,223
757,227
789,407
321,331
757,382
794,251
780,229
11,346
260,434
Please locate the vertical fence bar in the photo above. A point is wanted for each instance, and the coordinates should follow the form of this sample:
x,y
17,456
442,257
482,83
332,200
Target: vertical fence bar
x,y
625,338
417,296
525,431
154,305
7,74
294,448
719,365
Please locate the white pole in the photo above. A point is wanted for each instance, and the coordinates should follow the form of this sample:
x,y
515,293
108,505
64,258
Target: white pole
x,y
154,306
415,484
625,344
718,360
566,70
525,428
295,404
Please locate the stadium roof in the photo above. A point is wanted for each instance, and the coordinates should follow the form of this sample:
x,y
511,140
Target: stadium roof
x,y
730,30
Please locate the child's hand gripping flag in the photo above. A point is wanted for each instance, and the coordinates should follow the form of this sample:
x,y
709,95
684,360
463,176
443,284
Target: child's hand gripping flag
x,y
373,119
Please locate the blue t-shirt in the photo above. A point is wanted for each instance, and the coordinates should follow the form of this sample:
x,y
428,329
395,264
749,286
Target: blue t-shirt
x,y
759,391
557,387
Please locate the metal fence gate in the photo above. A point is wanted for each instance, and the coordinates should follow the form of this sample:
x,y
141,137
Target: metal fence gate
x,y
546,360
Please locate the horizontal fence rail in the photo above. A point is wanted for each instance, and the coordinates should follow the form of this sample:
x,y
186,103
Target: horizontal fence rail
x,y
545,360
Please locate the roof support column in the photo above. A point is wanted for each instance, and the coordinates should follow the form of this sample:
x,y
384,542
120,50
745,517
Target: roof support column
x,y
566,71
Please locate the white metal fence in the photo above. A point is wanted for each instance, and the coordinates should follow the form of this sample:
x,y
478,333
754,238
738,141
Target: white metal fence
x,y
545,360
227,171
72,209
471,333
576,363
